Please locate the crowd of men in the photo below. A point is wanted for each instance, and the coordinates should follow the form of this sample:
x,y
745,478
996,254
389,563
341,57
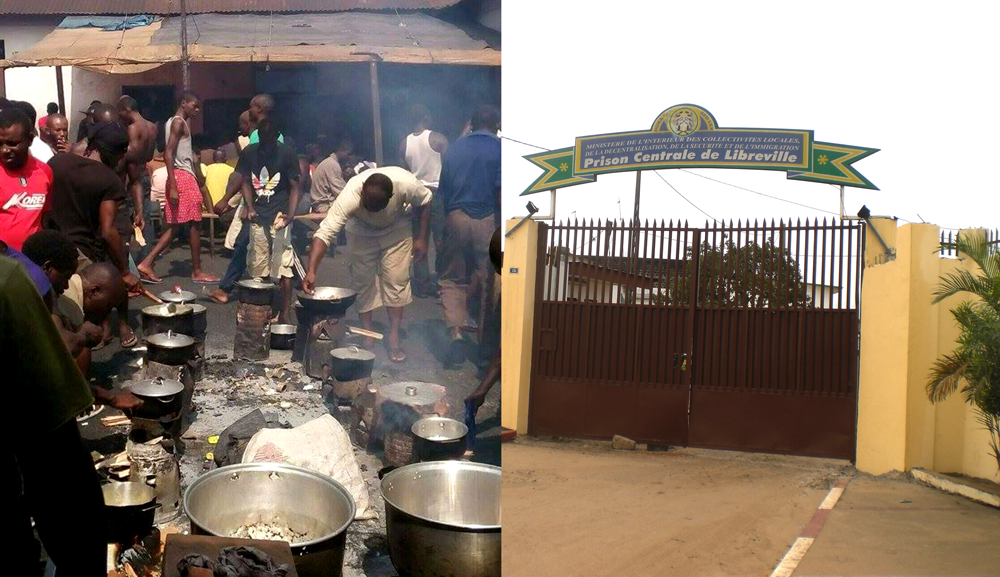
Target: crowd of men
x,y
71,211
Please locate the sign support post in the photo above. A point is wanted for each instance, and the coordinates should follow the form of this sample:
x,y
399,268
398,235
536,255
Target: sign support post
x,y
633,256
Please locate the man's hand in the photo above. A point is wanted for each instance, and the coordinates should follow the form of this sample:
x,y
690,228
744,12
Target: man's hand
x,y
221,207
309,283
419,249
91,333
173,197
251,214
125,401
138,221
281,222
132,282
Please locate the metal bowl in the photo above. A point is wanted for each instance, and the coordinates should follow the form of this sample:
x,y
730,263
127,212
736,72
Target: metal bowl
x,y
329,300
439,438
221,501
443,518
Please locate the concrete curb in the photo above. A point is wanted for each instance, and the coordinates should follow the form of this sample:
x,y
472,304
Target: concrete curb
x,y
507,435
956,487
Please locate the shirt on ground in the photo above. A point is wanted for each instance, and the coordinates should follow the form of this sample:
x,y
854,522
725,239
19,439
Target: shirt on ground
x,y
470,175
24,199
348,213
270,175
35,272
216,179
327,183
48,383
79,186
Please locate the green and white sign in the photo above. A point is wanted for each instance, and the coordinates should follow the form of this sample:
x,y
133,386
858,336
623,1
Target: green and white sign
x,y
688,136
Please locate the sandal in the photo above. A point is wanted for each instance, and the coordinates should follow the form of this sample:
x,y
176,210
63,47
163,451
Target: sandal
x,y
397,356
129,342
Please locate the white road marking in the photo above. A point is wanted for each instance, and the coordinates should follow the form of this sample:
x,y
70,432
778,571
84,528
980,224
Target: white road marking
x,y
832,498
791,559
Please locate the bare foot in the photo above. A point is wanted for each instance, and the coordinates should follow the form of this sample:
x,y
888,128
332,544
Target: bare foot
x,y
220,296
204,278
147,274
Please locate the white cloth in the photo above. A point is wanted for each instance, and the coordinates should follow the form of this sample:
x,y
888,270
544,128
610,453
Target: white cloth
x,y
40,150
321,445
158,185
392,222
423,160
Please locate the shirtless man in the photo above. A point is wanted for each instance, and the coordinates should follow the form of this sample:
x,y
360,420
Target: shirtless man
x,y
141,148
55,133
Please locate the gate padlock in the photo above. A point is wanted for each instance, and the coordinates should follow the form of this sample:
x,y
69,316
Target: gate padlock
x,y
684,362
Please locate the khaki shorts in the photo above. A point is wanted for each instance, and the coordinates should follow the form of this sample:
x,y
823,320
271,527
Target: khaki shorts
x,y
380,271
261,263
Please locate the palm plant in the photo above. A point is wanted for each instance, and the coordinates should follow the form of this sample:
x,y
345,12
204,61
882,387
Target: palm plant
x,y
975,362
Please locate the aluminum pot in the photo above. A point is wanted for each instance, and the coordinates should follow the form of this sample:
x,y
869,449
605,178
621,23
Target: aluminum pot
x,y
439,438
129,509
328,300
443,518
199,314
283,337
351,363
160,397
221,501
169,348
256,292
168,317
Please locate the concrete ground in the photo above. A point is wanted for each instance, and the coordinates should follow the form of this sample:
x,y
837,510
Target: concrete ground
x,y
580,508
232,389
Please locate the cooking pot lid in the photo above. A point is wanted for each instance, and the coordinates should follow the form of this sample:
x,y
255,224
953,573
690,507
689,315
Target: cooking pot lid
x,y
158,387
197,308
173,296
352,353
413,393
256,284
170,340
168,310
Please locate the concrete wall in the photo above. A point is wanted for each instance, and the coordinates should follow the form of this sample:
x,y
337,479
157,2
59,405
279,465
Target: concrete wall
x,y
902,334
34,85
521,253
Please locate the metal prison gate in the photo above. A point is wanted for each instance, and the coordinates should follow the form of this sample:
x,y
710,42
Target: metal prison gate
x,y
732,336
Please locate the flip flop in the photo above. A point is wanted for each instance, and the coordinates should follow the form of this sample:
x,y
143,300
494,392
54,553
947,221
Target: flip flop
x,y
148,280
210,280
100,345
130,342
397,356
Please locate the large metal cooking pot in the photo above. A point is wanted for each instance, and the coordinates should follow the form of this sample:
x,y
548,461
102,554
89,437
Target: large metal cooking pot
x,y
256,292
221,501
443,518
168,317
351,363
199,315
128,510
283,337
439,438
160,397
169,348
328,300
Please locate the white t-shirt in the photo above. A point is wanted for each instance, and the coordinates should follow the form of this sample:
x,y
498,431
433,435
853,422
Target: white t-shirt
x,y
348,213
40,150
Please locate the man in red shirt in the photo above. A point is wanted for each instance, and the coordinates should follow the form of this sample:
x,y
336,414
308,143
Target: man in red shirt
x,y
24,181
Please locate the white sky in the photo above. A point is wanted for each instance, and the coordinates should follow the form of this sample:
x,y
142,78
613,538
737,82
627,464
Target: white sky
x,y
916,80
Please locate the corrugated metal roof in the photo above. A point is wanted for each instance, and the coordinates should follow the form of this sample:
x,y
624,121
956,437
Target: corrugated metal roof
x,y
168,7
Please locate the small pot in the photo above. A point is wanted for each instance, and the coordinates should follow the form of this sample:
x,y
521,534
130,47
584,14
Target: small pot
x,y
199,314
351,363
168,317
283,337
439,438
170,348
181,297
160,397
256,292
129,509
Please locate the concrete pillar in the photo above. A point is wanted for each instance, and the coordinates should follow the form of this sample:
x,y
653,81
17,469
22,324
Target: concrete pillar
x,y
520,263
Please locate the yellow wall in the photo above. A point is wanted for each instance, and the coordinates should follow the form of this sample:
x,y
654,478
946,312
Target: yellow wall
x,y
518,308
902,334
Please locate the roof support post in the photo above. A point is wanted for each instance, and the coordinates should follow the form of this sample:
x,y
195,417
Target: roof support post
x,y
60,91
185,60
376,113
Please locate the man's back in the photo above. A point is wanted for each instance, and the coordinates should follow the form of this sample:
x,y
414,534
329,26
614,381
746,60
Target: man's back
x,y
470,176
216,179
142,141
79,186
